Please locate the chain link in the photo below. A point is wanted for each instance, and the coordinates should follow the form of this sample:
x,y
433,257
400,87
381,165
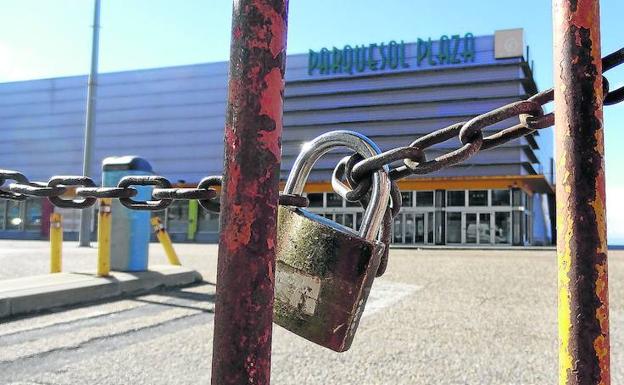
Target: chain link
x,y
609,62
208,183
71,181
106,192
6,175
37,189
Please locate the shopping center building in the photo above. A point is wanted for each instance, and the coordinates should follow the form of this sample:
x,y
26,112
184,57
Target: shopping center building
x,y
391,91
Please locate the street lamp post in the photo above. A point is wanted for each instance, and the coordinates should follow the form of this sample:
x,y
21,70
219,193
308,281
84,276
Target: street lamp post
x,y
84,237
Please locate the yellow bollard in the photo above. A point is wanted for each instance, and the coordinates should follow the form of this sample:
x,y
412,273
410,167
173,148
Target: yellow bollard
x,y
104,237
165,241
56,242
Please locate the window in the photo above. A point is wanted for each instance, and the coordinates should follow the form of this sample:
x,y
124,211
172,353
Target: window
x,y
398,229
502,233
2,213
478,198
348,220
358,221
501,198
453,227
352,204
177,217
207,222
33,214
518,197
409,228
430,227
334,200
484,228
456,198
407,198
13,216
420,228
316,199
424,198
527,235
471,228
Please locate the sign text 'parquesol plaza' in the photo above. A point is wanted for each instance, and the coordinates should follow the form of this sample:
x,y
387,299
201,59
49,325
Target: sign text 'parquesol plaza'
x,y
455,49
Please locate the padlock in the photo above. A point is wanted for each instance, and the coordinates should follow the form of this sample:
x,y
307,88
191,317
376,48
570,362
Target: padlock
x,y
324,270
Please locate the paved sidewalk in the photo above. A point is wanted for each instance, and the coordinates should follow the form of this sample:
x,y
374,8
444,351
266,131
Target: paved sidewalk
x,y
37,293
27,287
20,259
444,317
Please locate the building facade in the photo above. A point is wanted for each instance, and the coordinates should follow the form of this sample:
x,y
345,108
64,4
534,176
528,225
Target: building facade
x,y
393,92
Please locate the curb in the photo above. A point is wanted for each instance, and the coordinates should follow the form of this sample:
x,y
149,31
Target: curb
x,y
38,293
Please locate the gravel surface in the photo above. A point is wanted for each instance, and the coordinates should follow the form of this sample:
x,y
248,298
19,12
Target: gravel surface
x,y
436,317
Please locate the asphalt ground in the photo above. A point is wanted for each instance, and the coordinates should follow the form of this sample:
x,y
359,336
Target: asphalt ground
x,y
435,317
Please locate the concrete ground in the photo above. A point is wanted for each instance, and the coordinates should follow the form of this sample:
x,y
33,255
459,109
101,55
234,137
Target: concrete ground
x,y
436,317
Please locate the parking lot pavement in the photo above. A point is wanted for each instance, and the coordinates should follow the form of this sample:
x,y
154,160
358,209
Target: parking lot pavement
x,y
25,258
436,317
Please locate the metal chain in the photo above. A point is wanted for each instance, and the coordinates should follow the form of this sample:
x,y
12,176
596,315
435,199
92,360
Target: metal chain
x,y
358,171
86,193
529,112
609,62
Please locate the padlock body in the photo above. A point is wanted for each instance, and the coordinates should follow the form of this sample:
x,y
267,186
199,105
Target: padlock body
x,y
324,273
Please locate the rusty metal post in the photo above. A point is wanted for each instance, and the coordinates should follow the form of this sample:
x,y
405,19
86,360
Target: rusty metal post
x,y
581,222
253,127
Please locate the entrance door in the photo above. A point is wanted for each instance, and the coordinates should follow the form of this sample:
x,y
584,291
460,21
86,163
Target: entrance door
x,y
484,229
477,228
397,229
409,228
471,228
420,228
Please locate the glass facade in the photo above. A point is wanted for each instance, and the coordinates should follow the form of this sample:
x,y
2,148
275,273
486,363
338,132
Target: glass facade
x,y
21,215
207,222
488,217
316,199
456,198
470,217
424,198
14,218
33,214
176,220
478,198
177,217
333,200
501,198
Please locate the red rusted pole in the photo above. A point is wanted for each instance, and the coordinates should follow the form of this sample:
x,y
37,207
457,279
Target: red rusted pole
x,y
581,226
246,265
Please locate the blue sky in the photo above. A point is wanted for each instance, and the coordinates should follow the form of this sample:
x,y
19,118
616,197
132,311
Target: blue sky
x,y
51,38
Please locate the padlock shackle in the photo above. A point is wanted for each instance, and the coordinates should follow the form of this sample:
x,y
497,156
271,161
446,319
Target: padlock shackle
x,y
313,150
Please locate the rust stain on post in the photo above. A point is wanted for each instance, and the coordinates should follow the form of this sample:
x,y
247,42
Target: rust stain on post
x,y
581,224
246,265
